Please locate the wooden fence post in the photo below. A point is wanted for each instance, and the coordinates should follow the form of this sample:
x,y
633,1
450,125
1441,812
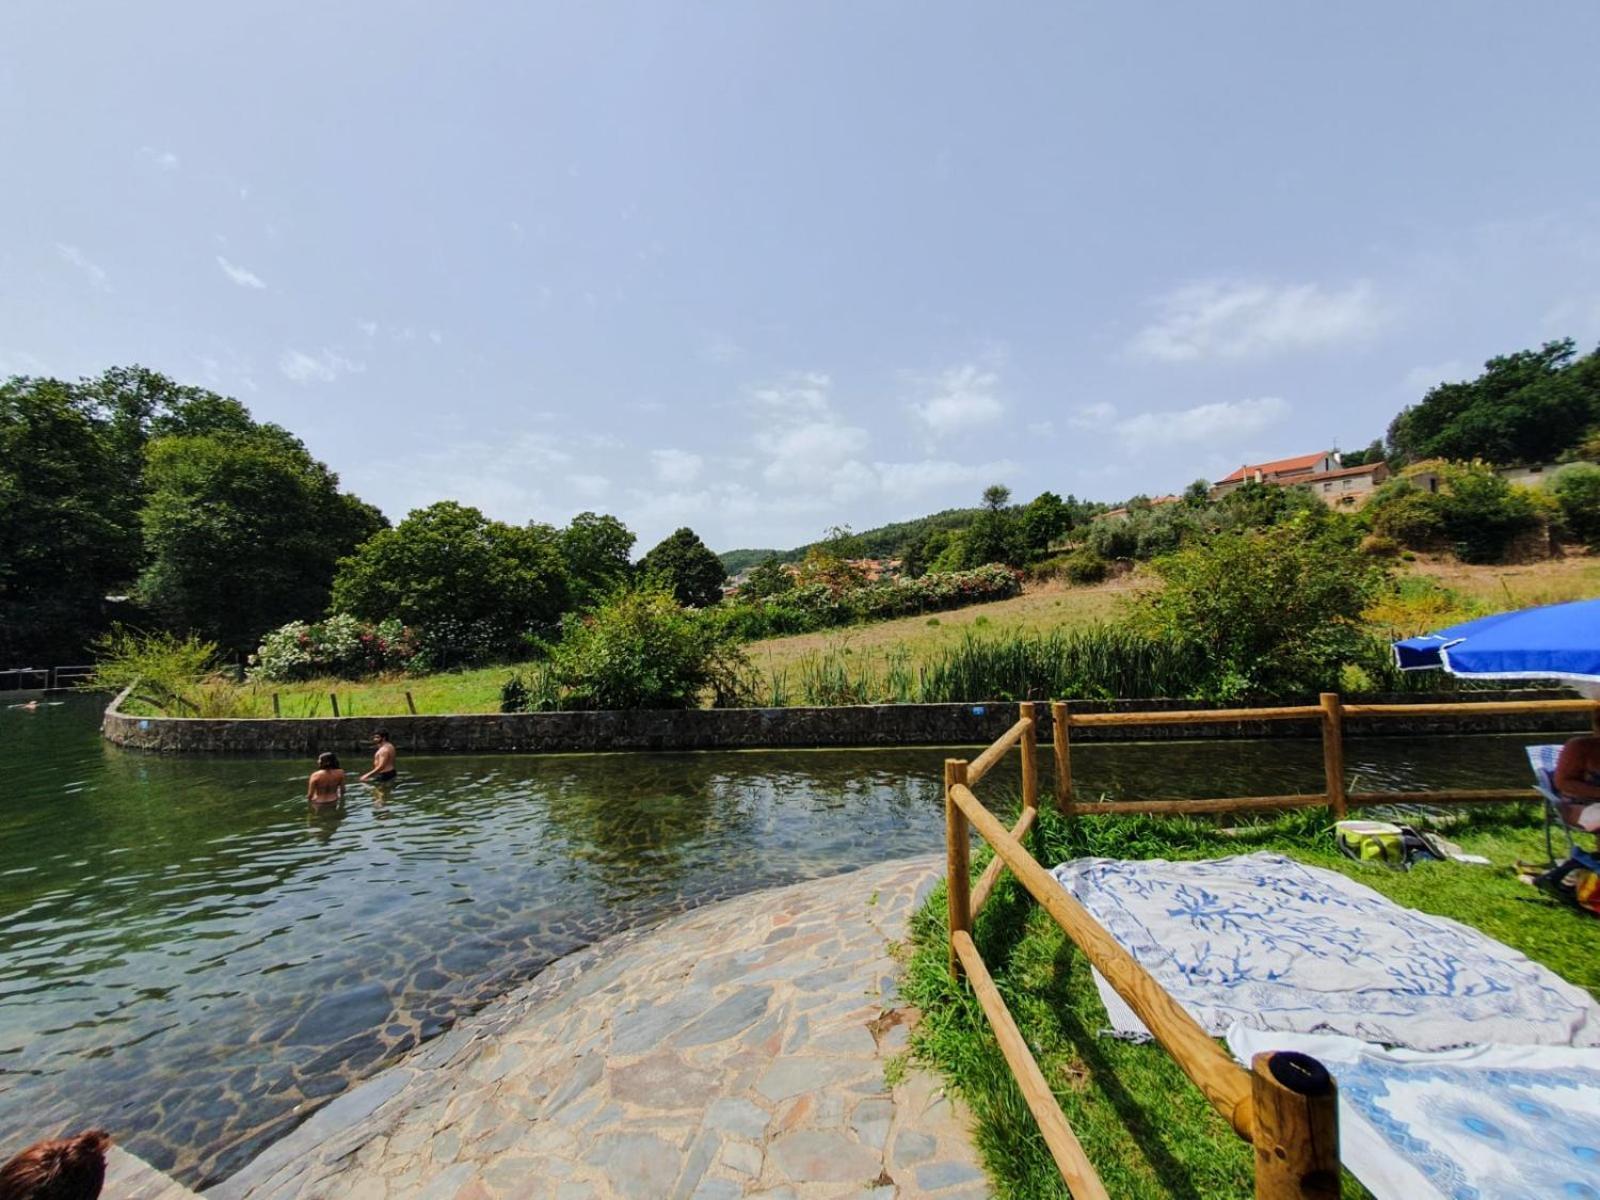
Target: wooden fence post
x,y
334,700
1296,1107
411,704
958,871
1594,717
1030,756
1333,751
276,711
1060,726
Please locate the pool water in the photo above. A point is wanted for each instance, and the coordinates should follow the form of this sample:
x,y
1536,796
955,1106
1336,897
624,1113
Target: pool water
x,y
193,959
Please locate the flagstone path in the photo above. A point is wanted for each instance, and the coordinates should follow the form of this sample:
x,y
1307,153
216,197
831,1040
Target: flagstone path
x,y
737,1050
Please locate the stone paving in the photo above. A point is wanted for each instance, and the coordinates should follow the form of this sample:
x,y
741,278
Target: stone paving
x,y
738,1050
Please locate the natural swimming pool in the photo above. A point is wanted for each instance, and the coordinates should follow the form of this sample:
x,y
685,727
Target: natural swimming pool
x,y
191,958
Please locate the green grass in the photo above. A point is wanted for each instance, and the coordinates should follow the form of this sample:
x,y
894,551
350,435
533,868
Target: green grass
x,y
1144,1125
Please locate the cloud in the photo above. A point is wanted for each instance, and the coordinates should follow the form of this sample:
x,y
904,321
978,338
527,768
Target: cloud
x,y
590,487
806,392
370,328
1419,380
1204,423
96,274
244,278
963,397
436,337
904,480
1092,416
1244,319
165,159
325,367
676,466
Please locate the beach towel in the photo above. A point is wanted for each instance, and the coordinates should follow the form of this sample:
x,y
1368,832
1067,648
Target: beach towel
x,y
1269,943
1482,1123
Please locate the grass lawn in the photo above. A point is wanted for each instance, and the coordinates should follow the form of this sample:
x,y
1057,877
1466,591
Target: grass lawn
x,y
1144,1125
1575,577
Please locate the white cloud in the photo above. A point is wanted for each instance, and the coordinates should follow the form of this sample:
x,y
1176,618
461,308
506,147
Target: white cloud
x,y
806,392
590,487
325,367
370,328
904,480
676,466
244,278
815,453
1420,380
95,273
1092,416
963,397
1245,319
165,159
436,337
1203,423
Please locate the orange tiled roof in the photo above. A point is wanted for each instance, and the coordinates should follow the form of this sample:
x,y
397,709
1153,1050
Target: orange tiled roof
x,y
1301,462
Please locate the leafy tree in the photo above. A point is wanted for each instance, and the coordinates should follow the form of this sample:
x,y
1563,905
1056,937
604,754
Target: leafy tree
x,y
1473,512
683,565
769,578
1577,490
472,586
67,537
995,536
1198,493
1254,505
596,550
1274,611
1525,407
642,649
1045,519
1374,453
996,496
241,534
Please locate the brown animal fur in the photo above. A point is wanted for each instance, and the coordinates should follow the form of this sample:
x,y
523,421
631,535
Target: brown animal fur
x,y
65,1169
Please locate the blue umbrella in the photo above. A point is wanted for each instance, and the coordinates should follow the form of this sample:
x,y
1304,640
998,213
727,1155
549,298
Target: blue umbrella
x,y
1555,641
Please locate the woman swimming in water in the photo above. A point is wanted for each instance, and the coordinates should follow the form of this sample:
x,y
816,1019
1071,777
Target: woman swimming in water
x,y
326,785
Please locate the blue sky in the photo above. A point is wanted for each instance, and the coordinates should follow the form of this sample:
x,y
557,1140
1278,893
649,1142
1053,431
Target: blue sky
x,y
762,268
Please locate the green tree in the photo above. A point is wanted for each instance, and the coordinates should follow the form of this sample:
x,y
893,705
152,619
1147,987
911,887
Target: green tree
x,y
683,565
1274,611
241,534
596,550
1045,519
472,586
67,537
1198,494
995,535
1577,490
1374,453
1525,407
769,578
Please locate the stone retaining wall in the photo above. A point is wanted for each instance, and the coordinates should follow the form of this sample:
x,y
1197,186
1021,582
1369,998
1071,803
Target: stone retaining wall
x,y
759,728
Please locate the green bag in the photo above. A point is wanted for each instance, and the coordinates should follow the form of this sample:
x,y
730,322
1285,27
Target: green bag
x,y
1372,841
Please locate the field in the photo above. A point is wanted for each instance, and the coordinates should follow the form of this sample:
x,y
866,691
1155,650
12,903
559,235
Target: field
x,y
876,650
1144,1125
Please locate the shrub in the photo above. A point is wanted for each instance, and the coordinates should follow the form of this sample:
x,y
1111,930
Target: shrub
x,y
1577,490
167,671
1375,545
1084,566
340,647
642,649
1273,612
532,689
1095,662
818,606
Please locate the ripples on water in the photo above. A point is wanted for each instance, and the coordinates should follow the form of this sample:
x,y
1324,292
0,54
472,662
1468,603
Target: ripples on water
x,y
193,959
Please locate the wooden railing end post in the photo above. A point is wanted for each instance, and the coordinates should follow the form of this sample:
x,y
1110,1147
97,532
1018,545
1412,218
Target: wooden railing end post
x,y
1295,1119
1061,745
1333,752
958,869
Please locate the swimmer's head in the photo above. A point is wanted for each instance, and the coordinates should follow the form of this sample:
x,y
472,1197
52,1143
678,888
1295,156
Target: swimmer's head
x,y
381,735
327,761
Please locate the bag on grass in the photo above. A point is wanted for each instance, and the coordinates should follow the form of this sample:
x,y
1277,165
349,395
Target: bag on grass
x,y
1396,846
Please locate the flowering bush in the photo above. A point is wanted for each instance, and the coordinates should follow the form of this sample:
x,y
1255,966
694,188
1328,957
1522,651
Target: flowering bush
x,y
341,646
818,606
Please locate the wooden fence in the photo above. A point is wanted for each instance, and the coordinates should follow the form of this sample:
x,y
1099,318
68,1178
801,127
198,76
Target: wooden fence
x,y
1285,1105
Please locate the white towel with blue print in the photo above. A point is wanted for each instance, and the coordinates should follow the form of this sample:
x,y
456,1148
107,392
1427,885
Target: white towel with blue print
x,y
1268,943
1482,1123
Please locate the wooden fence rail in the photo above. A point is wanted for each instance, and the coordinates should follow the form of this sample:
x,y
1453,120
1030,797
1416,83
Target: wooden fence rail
x,y
1286,1105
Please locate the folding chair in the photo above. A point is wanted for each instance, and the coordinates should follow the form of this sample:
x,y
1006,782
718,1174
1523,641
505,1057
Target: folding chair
x,y
1543,761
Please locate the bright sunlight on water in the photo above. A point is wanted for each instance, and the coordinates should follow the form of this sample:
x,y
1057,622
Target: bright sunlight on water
x,y
192,959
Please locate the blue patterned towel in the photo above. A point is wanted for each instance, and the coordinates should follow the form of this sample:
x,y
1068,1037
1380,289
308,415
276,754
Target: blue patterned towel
x,y
1268,943
1488,1123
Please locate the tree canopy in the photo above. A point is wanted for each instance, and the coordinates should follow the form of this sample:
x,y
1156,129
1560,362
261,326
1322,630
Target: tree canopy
x,y
596,550
683,565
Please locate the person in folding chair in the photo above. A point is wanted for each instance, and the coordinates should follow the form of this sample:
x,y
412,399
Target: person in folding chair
x,y
1569,778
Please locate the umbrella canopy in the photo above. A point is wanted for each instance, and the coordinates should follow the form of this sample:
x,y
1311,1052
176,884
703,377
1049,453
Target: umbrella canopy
x,y
1556,641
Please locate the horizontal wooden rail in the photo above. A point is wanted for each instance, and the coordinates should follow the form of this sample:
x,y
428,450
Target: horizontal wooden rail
x,y
1076,1169
984,763
1222,1081
1495,708
1208,805
991,873
1300,712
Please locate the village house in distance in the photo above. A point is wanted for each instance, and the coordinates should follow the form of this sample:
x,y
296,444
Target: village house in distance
x,y
1338,486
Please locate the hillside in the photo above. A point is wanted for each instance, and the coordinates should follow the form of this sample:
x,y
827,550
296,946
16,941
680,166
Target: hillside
x,y
882,542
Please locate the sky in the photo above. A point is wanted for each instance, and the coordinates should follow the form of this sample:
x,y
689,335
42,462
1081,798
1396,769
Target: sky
x,y
766,268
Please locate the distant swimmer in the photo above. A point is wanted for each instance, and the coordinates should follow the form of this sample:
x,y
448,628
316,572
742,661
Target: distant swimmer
x,y
30,706
326,785
383,756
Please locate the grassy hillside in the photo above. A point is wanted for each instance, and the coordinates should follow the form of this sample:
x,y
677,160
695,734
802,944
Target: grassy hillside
x,y
882,542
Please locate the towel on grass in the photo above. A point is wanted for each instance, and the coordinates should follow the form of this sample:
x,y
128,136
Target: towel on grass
x,y
1268,943
1483,1123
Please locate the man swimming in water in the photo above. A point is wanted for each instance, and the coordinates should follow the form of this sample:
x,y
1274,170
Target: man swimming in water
x,y
382,759
326,785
